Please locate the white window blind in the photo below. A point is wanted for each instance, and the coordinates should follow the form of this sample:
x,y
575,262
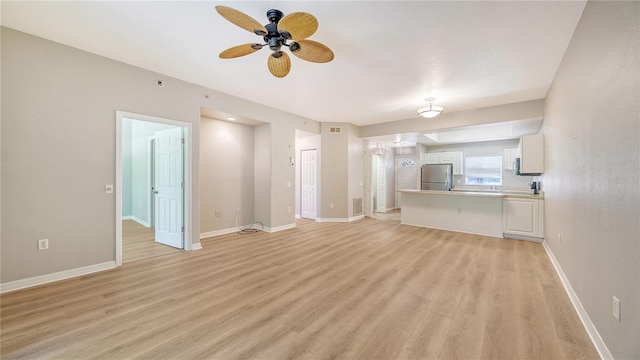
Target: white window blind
x,y
483,170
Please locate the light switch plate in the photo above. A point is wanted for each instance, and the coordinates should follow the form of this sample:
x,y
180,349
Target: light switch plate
x,y
108,189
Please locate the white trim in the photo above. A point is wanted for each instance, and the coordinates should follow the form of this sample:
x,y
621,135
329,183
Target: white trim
x,y
353,218
520,237
298,216
332,220
599,344
57,276
279,228
213,233
136,219
196,246
188,176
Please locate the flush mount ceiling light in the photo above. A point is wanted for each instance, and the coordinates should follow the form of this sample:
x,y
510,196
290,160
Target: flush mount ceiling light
x,y
430,111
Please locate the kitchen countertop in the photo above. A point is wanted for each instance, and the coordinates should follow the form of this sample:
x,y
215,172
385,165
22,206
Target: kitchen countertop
x,y
486,193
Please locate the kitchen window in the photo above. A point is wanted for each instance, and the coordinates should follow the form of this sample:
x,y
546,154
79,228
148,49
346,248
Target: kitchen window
x,y
483,170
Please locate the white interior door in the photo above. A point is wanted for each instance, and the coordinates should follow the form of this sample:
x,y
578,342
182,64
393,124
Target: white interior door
x,y
381,191
308,179
169,187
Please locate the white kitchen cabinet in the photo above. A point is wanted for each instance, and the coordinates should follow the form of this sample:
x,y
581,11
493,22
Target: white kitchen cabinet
x,y
531,153
456,160
433,158
451,157
509,158
523,218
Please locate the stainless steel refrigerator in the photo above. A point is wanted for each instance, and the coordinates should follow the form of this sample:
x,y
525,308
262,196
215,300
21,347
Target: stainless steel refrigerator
x,y
436,177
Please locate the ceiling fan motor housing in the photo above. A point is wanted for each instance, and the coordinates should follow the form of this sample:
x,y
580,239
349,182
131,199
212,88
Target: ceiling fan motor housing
x,y
274,15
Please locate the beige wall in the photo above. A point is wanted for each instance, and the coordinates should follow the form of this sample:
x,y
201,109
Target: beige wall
x,y
262,174
355,167
335,174
58,149
592,132
226,175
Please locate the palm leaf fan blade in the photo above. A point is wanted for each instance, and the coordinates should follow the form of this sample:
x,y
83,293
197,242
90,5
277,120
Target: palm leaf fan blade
x,y
313,51
239,18
240,50
279,66
300,25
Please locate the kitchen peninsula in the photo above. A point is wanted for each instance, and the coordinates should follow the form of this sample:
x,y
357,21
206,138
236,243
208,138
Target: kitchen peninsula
x,y
490,213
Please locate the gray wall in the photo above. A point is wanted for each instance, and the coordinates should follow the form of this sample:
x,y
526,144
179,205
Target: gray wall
x,y
262,174
591,184
58,149
226,174
509,178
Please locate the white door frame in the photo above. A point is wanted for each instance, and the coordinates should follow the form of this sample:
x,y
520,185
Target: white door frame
x,y
188,176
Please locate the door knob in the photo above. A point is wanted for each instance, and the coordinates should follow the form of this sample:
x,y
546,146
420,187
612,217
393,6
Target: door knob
x,y
155,191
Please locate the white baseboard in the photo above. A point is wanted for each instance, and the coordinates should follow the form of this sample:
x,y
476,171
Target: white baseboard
x,y
353,218
298,216
209,234
196,246
138,220
599,344
57,276
332,219
279,228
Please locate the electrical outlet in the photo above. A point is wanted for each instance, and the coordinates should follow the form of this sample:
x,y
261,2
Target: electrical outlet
x,y
43,244
559,238
616,308
331,205
218,213
289,209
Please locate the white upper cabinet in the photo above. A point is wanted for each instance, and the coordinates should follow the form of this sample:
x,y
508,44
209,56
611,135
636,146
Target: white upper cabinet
x,y
433,158
509,158
451,157
531,153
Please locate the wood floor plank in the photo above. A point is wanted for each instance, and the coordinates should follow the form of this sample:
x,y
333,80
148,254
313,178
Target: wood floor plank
x,y
371,289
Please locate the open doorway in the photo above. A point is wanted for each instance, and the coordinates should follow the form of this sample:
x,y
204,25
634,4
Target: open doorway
x,y
151,191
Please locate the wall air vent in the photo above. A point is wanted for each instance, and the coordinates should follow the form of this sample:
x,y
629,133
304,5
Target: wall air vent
x,y
335,130
357,206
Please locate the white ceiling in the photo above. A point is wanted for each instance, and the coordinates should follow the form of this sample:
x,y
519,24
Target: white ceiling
x,y
389,55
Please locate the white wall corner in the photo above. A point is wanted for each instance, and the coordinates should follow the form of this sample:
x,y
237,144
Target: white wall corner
x,y
599,344
57,276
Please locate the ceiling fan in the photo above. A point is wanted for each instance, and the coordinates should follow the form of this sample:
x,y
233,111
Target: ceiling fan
x,y
291,31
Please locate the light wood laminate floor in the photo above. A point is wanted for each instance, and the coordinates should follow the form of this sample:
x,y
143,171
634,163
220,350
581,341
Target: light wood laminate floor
x,y
364,290
138,242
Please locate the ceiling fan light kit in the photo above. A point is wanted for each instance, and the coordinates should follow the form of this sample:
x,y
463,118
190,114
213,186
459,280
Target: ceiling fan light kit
x,y
430,111
279,32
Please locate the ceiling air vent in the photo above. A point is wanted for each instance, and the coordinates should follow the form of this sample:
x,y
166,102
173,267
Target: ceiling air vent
x,y
335,130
